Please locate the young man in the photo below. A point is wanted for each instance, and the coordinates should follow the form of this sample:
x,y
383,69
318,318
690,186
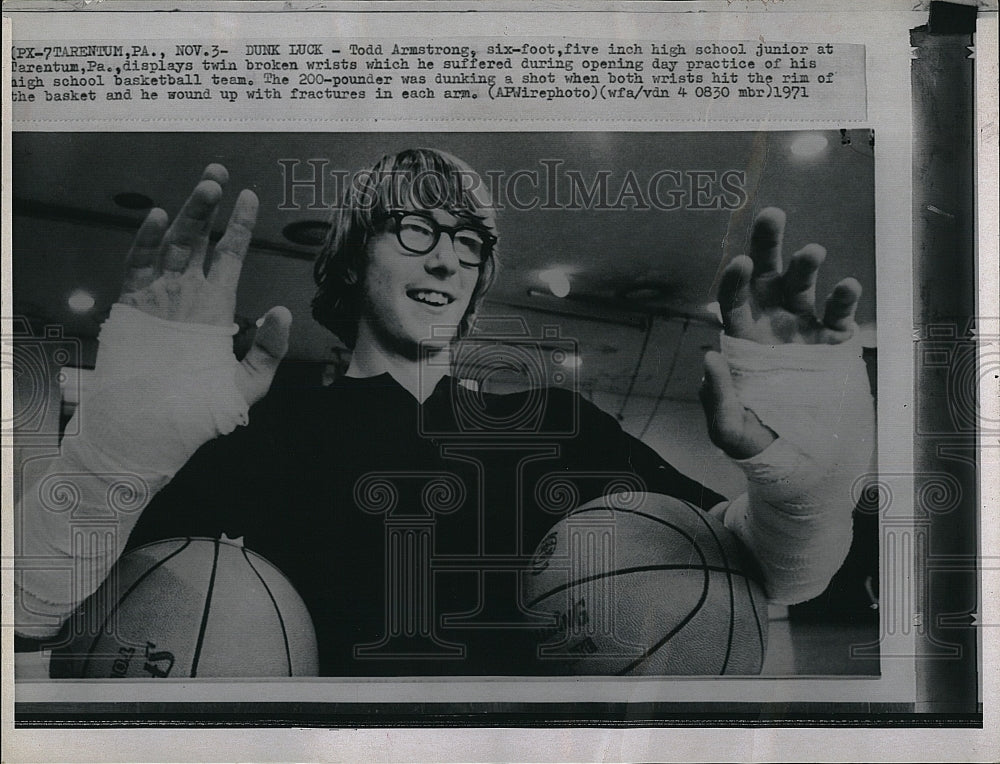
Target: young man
x,y
331,483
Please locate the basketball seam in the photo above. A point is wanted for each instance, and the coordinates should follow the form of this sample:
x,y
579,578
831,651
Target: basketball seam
x,y
121,601
725,568
648,516
277,610
684,621
208,605
627,571
704,592
746,580
756,617
729,582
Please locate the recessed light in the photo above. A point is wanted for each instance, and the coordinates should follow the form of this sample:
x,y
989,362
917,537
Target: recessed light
x,y
569,361
557,281
80,301
809,144
307,233
131,200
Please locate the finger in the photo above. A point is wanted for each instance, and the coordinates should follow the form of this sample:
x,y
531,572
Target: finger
x,y
141,262
219,174
188,235
269,346
734,296
765,241
841,305
232,247
799,281
216,172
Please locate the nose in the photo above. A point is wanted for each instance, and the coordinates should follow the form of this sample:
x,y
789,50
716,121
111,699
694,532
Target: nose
x,y
443,259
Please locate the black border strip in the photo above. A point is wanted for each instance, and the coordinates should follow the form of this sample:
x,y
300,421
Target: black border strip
x,y
369,715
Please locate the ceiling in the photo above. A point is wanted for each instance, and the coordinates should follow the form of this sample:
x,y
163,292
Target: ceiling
x,y
639,277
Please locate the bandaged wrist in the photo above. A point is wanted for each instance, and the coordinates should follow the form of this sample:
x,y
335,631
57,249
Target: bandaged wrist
x,y
797,515
161,390
815,396
127,334
190,362
797,552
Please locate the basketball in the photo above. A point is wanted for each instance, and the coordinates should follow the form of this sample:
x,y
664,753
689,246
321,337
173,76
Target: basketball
x,y
190,607
646,584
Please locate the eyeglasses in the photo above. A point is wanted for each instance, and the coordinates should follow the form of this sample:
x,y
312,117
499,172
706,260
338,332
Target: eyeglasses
x,y
419,232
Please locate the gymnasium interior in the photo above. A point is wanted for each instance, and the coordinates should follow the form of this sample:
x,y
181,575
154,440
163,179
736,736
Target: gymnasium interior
x,y
622,281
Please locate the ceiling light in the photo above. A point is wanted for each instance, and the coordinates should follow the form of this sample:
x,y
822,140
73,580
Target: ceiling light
x,y
557,281
567,360
80,301
808,144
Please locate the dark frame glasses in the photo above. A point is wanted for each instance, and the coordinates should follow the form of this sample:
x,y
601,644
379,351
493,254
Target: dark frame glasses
x,y
419,232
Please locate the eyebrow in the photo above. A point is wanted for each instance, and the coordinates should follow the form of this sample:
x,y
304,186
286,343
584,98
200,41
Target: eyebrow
x,y
463,218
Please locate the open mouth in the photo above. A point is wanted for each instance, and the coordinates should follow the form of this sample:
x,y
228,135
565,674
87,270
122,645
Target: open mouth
x,y
430,297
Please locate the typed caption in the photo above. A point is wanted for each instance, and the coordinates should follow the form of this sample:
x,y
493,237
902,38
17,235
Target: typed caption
x,y
481,78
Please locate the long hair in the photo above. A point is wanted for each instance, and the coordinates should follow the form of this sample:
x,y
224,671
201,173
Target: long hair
x,y
421,178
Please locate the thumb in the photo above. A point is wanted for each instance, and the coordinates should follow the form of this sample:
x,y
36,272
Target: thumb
x,y
731,426
723,410
269,346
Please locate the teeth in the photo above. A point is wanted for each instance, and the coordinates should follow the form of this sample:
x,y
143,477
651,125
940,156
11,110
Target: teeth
x,y
432,298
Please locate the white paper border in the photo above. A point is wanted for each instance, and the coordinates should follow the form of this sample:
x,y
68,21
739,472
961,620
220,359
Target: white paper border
x,y
615,744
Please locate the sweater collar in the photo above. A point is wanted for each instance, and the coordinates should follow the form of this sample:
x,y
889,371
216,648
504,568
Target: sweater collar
x,y
385,381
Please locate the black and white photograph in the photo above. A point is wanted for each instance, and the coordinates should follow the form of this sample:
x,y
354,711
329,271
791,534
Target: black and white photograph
x,y
440,382
447,404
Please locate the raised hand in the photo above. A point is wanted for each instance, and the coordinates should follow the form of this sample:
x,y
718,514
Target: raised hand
x,y
171,275
763,303
760,302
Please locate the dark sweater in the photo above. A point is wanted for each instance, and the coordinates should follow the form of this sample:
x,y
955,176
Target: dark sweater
x,y
325,482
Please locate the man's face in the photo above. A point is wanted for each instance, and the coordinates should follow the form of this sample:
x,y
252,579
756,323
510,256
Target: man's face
x,y
404,295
